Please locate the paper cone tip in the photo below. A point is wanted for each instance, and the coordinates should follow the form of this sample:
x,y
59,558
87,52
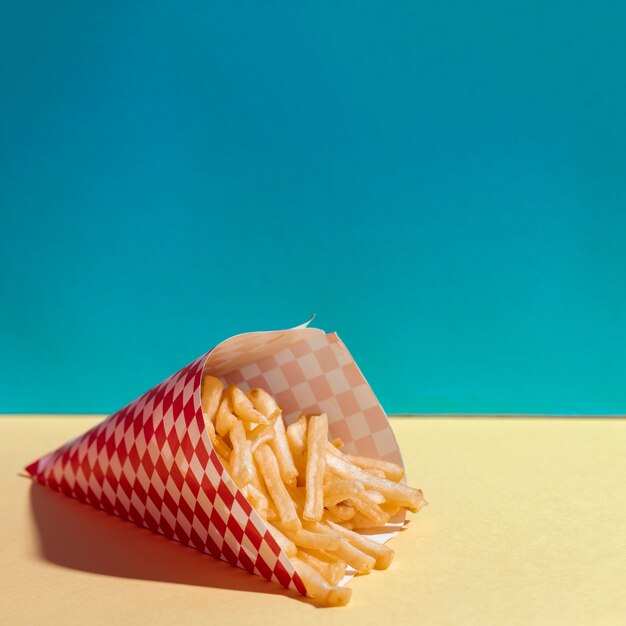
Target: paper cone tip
x,y
31,469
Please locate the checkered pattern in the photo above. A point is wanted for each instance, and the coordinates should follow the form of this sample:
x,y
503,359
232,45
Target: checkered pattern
x,y
314,374
240,350
152,462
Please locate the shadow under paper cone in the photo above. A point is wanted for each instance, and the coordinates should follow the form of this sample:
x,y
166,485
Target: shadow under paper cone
x,y
80,537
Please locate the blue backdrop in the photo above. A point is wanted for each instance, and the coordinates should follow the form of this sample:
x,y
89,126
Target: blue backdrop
x,y
443,183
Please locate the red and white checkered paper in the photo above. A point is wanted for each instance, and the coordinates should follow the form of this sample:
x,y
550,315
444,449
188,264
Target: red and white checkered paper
x,y
152,462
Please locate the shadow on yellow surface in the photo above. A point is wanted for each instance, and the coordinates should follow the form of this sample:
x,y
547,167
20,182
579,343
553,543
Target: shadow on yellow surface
x,y
77,536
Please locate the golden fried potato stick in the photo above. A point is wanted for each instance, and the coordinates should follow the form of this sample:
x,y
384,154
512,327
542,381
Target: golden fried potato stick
x,y
382,553
249,427
317,438
361,522
374,471
339,490
268,467
310,539
218,443
339,513
334,450
261,434
392,471
376,497
210,396
224,418
330,477
241,463
332,572
242,407
262,401
409,498
296,438
285,544
298,496
265,404
363,504
390,508
281,449
318,588
355,558
272,513
327,557
257,500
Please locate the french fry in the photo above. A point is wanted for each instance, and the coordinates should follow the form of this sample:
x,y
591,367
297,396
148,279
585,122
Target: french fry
x,y
376,497
257,500
382,553
210,396
281,449
243,408
296,438
241,462
261,434
268,467
317,438
392,509
263,401
223,461
355,558
272,513
298,496
331,514
318,588
330,476
332,572
334,450
392,471
341,512
361,522
374,471
327,557
338,490
218,443
311,539
337,442
224,418
398,493
286,544
365,505
249,427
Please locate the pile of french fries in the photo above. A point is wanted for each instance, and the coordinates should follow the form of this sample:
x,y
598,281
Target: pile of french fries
x,y
312,496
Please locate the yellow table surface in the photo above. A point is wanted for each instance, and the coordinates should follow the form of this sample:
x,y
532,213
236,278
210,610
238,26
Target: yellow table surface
x,y
526,525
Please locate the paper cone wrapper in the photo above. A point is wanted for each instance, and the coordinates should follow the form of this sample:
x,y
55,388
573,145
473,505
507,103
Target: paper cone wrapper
x,y
152,462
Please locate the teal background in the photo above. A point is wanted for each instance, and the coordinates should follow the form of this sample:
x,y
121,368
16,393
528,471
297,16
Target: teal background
x,y
444,184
